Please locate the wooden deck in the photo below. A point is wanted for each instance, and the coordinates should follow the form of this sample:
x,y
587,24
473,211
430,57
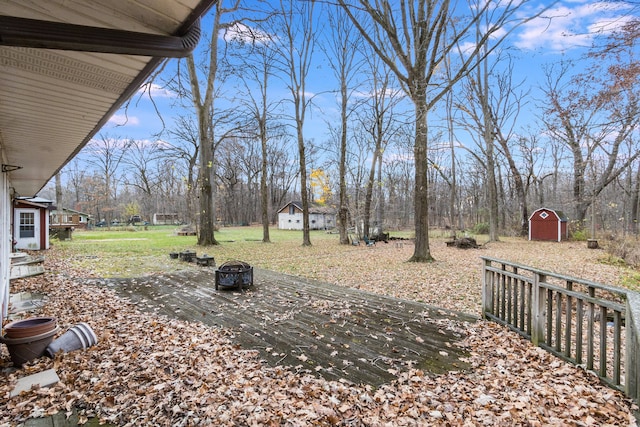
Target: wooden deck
x,y
331,331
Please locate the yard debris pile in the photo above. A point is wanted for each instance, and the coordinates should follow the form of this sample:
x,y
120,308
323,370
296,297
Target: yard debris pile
x,y
464,243
150,370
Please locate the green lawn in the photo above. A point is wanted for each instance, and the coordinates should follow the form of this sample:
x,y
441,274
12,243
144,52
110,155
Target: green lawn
x,y
135,251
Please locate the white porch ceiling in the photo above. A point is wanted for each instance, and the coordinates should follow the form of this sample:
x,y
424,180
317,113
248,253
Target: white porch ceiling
x,y
52,102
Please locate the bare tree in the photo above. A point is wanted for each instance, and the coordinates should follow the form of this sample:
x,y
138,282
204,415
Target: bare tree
x,y
592,124
257,62
184,147
106,155
76,175
490,105
139,163
634,201
283,172
59,204
378,121
341,51
296,23
414,39
203,95
172,192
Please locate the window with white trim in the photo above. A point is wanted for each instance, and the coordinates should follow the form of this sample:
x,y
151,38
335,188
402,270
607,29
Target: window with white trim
x,y
27,224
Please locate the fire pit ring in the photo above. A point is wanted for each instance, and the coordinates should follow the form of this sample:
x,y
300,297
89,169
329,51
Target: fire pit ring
x,y
234,274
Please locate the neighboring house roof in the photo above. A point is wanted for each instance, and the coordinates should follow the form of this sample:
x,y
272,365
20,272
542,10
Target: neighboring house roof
x,y
72,211
313,209
67,67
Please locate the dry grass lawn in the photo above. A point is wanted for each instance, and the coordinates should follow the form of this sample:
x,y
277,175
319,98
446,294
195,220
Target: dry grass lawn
x,y
150,370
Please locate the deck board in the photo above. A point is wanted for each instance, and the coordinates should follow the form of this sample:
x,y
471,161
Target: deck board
x,y
330,331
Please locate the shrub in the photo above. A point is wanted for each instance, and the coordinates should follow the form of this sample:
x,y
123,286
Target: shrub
x,y
481,228
627,249
580,235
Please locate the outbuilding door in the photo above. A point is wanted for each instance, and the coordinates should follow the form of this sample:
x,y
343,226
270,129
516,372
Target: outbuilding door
x,y
27,228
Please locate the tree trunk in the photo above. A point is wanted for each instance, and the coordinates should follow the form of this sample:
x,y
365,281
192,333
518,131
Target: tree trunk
x,y
207,211
493,187
306,237
635,200
489,138
59,207
380,211
421,253
369,190
343,209
264,193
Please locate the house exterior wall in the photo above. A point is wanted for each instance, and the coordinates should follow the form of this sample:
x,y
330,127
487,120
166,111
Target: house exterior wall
x,y
164,218
66,216
287,221
5,244
545,224
290,218
321,221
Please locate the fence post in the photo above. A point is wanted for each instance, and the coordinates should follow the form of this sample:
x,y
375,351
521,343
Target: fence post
x,y
487,288
538,312
632,358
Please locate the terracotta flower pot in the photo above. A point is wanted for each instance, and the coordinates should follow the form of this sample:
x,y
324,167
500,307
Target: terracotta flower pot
x,y
29,327
24,349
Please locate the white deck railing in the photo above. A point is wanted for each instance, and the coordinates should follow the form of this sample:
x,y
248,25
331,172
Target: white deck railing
x,y
585,323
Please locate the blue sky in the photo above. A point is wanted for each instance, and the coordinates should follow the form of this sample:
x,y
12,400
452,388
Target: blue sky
x,y
563,31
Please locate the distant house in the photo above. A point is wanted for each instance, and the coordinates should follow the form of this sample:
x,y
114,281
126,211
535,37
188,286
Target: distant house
x,y
548,224
66,216
320,217
31,224
165,219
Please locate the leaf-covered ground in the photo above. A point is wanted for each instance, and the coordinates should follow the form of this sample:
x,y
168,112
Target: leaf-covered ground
x,y
149,370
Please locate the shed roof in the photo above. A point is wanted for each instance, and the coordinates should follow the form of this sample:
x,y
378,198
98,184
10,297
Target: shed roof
x,y
313,209
559,214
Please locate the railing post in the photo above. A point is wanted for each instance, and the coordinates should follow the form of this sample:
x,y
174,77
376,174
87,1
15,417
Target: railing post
x,y
538,312
542,299
632,358
487,288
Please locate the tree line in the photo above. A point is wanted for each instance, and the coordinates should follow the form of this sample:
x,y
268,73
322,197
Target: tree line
x,y
426,127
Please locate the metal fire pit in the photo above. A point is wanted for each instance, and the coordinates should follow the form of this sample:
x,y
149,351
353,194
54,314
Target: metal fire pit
x,y
234,274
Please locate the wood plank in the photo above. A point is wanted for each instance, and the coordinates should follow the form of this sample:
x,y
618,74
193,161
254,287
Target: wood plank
x,y
327,330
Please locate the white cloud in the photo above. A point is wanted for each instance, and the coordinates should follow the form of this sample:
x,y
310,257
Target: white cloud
x,y
569,25
163,143
389,93
123,119
244,34
155,91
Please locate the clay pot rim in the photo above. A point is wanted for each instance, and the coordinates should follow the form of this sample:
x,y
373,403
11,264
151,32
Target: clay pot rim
x,y
17,324
25,340
30,327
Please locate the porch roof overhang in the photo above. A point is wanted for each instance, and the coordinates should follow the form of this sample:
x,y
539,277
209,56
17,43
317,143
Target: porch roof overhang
x,y
67,66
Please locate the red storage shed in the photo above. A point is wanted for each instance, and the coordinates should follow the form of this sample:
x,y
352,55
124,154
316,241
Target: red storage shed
x,y
548,224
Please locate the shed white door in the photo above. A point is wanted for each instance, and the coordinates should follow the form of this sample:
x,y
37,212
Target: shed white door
x,y
27,228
